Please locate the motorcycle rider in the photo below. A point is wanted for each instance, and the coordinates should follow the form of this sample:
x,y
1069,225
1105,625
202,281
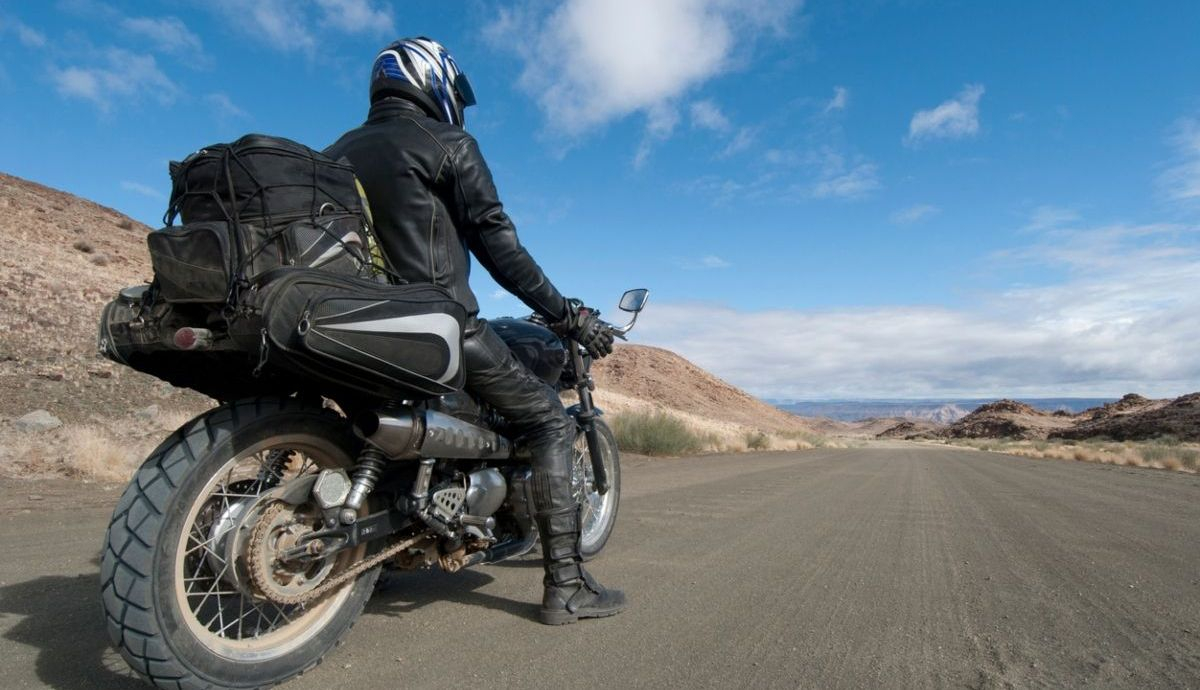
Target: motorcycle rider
x,y
433,201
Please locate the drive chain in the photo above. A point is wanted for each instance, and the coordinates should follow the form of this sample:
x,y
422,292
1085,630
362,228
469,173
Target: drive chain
x,y
261,578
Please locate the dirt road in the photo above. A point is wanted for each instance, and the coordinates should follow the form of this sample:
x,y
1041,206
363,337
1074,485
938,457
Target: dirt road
x,y
909,566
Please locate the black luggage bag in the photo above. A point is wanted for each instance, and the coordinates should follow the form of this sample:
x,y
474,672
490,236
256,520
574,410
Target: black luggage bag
x,y
384,341
254,205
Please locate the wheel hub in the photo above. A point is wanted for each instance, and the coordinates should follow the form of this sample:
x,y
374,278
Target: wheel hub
x,y
278,529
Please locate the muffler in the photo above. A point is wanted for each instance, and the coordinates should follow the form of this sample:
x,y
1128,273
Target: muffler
x,y
407,433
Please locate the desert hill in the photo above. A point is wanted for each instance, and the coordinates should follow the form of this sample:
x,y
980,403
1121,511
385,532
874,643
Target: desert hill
x,y
873,427
910,428
662,378
65,257
1132,418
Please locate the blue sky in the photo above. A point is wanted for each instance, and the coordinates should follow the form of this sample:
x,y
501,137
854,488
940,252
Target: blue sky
x,y
828,199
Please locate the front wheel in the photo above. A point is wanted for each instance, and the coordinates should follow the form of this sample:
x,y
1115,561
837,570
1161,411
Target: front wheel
x,y
182,603
599,512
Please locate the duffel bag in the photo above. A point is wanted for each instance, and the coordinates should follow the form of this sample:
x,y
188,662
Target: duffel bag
x,y
255,205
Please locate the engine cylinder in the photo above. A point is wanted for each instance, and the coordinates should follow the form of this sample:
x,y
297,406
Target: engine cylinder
x,y
486,490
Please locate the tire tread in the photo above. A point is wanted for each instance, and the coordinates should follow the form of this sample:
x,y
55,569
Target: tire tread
x,y
127,558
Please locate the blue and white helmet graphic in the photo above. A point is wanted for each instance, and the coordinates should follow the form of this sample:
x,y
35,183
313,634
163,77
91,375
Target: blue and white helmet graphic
x,y
421,70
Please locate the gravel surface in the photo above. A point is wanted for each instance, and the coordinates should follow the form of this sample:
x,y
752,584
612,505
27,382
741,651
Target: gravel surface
x,y
899,566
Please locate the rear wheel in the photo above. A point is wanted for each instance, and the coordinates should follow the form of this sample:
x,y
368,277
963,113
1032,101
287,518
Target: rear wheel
x,y
180,601
598,511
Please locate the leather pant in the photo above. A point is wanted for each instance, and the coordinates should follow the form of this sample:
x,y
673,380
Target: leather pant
x,y
532,409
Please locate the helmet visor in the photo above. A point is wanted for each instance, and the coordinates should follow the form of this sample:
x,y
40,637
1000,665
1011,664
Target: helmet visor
x,y
466,95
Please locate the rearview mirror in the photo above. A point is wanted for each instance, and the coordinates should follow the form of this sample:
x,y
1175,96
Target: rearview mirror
x,y
634,300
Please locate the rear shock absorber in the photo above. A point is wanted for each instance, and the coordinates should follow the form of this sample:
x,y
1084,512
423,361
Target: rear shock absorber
x,y
366,474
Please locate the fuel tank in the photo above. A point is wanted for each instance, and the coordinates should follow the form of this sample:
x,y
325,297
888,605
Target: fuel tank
x,y
534,346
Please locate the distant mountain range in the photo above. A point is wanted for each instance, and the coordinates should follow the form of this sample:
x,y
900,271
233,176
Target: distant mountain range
x,y
945,411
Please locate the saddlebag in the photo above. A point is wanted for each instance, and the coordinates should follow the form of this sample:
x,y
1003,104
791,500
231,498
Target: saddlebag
x,y
386,341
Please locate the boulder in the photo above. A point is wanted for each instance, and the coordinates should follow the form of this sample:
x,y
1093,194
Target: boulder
x,y
38,420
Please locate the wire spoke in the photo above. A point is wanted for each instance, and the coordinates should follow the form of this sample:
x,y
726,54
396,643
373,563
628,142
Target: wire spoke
x,y
216,600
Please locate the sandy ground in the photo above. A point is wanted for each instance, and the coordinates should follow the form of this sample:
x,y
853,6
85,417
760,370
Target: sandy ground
x,y
896,566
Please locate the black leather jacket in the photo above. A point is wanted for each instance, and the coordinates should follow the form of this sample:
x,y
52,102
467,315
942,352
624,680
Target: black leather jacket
x,y
433,200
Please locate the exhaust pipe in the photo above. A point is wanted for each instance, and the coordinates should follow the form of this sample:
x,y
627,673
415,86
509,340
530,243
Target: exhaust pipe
x,y
409,434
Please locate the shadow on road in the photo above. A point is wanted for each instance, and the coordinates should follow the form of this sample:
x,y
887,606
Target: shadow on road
x,y
403,592
63,620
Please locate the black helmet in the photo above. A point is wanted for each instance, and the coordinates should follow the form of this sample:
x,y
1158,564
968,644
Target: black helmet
x,y
421,70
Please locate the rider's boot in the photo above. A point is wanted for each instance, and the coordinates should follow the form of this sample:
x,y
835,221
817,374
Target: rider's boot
x,y
571,593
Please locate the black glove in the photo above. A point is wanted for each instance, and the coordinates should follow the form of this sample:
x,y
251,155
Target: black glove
x,y
582,325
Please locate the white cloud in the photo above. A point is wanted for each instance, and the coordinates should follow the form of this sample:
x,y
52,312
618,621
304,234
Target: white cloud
x,y
708,262
841,98
742,140
167,35
295,25
224,107
1048,217
501,293
954,119
707,115
660,123
1125,317
29,36
357,16
114,77
914,214
588,62
1181,182
839,179
826,173
281,23
142,189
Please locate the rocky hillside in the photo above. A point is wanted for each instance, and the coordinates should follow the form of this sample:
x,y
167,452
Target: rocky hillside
x,y
910,428
662,379
1132,418
64,258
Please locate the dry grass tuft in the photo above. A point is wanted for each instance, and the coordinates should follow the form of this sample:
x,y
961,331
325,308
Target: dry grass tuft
x,y
1162,454
108,450
659,433
757,440
92,453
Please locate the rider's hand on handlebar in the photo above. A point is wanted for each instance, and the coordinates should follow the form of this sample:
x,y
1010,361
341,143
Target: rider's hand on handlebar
x,y
585,327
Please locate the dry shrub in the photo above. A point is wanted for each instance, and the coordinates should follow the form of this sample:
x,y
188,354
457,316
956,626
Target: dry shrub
x,y
659,433
92,453
1164,453
757,440
1190,458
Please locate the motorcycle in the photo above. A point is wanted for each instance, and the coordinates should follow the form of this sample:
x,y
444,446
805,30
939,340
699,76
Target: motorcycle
x,y
251,539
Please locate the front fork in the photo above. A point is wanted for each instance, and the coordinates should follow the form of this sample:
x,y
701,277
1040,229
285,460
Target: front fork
x,y
586,419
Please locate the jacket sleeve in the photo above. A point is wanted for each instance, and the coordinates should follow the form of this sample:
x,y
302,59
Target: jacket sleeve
x,y
490,234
